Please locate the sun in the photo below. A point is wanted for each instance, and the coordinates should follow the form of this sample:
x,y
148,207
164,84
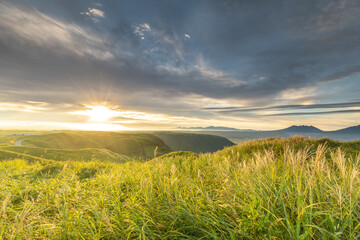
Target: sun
x,y
101,114
98,114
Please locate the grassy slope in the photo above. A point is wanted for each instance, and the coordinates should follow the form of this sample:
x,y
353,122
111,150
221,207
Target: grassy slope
x,y
250,148
129,144
6,155
269,189
199,143
70,154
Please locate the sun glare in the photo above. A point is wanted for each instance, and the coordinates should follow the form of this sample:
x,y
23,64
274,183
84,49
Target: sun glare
x,y
98,114
102,118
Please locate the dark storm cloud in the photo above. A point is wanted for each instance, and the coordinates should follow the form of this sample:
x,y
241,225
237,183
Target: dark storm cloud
x,y
243,50
290,44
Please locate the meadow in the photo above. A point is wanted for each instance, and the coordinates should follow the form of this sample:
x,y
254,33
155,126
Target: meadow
x,y
296,188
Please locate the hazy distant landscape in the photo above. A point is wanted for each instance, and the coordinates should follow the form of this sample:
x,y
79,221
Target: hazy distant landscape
x,y
345,134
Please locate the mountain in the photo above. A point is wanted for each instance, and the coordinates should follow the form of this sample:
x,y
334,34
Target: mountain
x,y
302,129
218,128
349,130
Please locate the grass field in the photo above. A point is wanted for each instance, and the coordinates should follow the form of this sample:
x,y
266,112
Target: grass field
x,y
293,188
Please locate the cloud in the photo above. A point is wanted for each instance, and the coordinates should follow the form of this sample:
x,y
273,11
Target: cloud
x,y
257,55
256,67
216,75
286,107
289,50
316,113
23,107
21,23
164,40
94,14
141,29
104,114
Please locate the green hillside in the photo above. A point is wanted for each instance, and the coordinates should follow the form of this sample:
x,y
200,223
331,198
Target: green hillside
x,y
249,149
130,144
199,143
70,154
293,188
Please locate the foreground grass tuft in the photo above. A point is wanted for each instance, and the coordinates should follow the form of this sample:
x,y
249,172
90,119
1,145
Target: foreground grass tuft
x,y
268,189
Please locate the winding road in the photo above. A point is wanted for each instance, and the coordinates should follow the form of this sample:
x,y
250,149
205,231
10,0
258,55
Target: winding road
x,y
18,142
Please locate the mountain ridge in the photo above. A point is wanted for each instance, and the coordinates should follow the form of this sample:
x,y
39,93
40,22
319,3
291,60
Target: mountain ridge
x,y
348,130
345,134
293,128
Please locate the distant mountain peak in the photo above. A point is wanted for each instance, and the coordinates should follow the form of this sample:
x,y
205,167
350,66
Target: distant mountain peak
x,y
302,128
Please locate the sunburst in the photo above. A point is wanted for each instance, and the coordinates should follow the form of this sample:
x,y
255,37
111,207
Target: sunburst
x,y
99,114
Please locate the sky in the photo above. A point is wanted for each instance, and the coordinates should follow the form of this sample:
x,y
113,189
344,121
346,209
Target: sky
x,y
165,64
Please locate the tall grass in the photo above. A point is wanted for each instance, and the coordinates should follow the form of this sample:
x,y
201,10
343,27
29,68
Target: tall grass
x,y
289,192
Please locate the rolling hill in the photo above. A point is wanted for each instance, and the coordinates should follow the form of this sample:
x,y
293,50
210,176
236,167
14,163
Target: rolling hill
x,y
88,154
194,142
137,145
